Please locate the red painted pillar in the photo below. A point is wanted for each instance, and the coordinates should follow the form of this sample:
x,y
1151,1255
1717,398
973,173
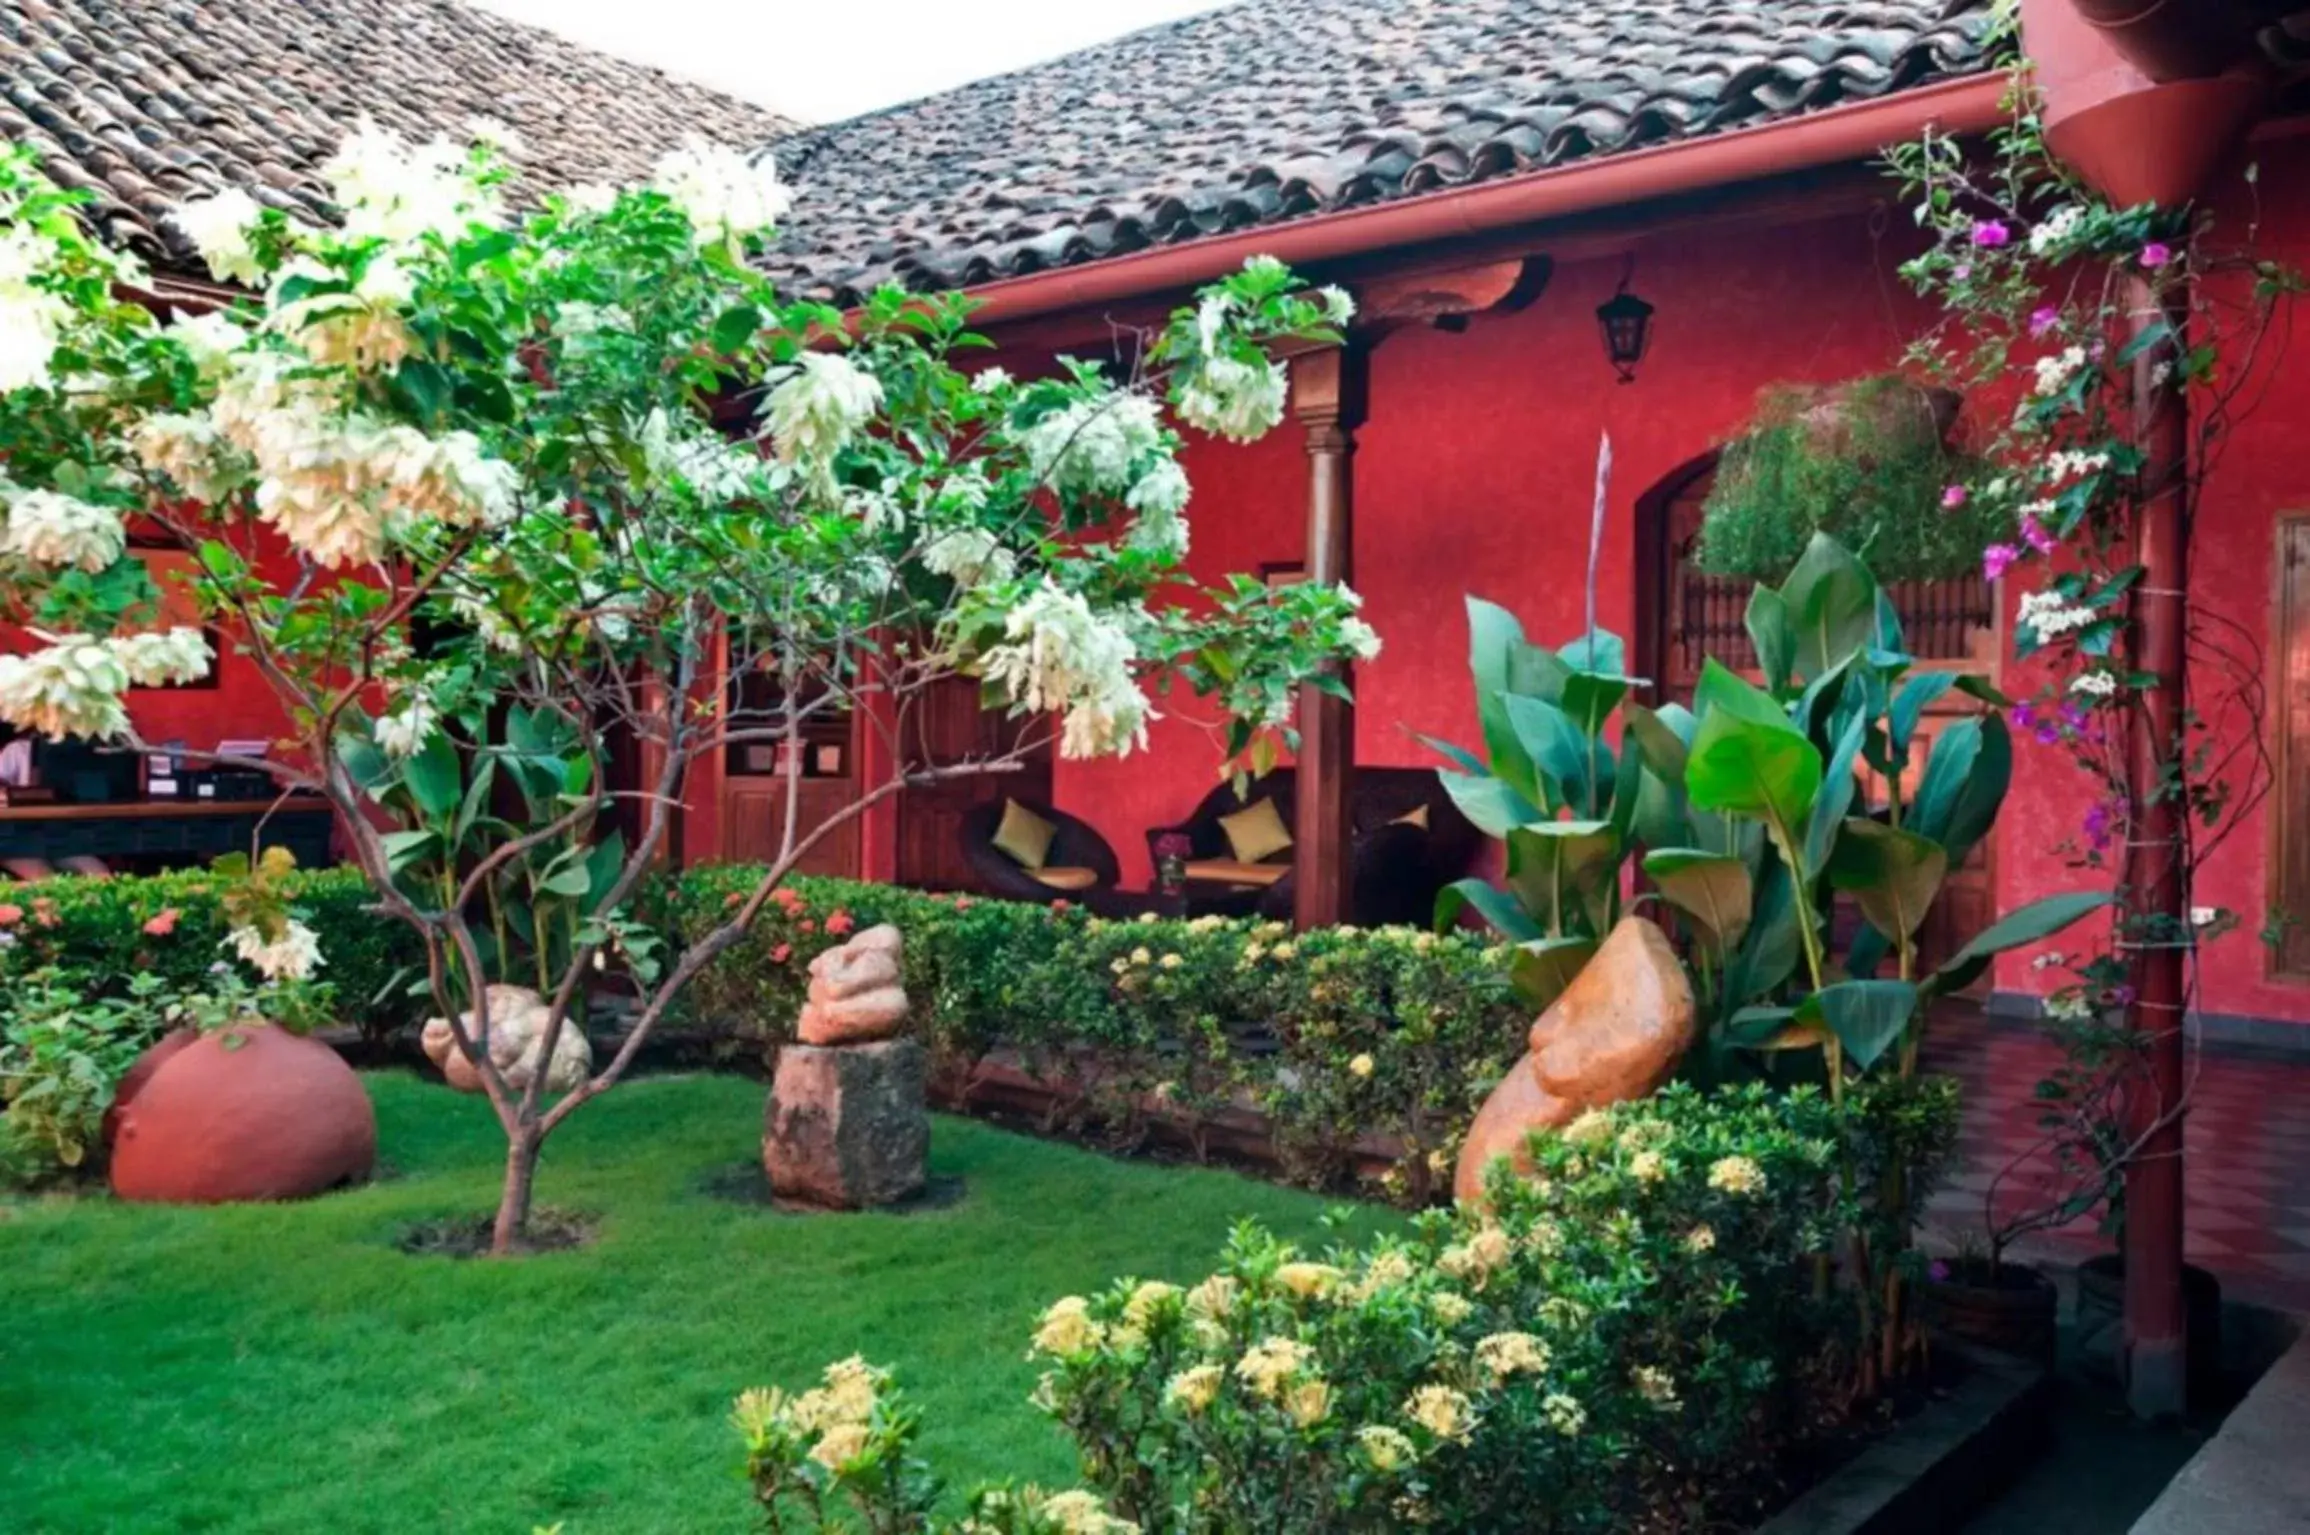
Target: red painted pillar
x,y
1327,399
2157,926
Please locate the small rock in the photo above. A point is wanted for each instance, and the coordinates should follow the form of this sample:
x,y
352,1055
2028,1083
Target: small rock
x,y
1616,1033
847,1126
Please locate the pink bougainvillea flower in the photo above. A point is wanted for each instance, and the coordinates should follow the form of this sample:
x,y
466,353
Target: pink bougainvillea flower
x,y
2156,254
11,914
840,923
1962,272
163,924
2033,534
1953,497
1997,559
1990,235
2024,715
2044,322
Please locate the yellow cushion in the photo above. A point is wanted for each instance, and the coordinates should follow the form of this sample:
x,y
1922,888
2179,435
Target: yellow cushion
x,y
1024,835
1255,831
1226,871
1416,816
1059,878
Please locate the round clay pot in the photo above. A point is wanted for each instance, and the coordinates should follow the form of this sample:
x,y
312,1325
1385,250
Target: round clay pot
x,y
242,1114
2101,1315
133,1080
2010,1308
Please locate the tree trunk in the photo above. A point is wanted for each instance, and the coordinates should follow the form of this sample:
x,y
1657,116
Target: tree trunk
x,y
512,1228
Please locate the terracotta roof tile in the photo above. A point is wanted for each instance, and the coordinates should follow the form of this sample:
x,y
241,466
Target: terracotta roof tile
x,y
147,102
1274,109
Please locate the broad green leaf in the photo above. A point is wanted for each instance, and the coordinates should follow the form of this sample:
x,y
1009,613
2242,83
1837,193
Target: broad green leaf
x,y
1755,771
1867,1017
406,849
1966,777
1712,889
735,326
1469,762
434,777
1892,875
1490,804
1917,695
1556,868
1836,797
371,770
1723,691
1541,968
2033,923
476,801
1590,698
1497,907
1608,654
1665,733
1771,952
1754,1028
1832,601
1773,634
1553,745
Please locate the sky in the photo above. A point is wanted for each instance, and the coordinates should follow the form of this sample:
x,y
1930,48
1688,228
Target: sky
x,y
825,59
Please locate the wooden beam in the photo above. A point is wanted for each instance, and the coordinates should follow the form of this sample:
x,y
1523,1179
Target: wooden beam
x,y
1439,293
1327,399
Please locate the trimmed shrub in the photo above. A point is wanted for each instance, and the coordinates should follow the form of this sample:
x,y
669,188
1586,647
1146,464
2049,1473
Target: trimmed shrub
x,y
1353,1042
96,933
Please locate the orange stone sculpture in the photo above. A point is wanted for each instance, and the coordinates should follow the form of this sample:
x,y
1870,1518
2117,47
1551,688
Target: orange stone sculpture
x,y
1616,1033
246,1113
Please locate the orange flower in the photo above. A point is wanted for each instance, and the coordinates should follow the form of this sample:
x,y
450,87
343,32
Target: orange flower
x,y
806,926
732,899
163,924
782,953
1061,907
963,903
11,914
44,912
839,923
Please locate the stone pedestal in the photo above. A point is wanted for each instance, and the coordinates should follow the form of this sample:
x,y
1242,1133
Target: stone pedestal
x,y
848,1127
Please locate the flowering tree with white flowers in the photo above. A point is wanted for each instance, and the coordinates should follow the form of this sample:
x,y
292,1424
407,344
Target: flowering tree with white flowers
x,y
483,494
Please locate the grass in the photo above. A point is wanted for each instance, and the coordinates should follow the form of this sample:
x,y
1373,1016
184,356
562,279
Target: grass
x,y
285,1368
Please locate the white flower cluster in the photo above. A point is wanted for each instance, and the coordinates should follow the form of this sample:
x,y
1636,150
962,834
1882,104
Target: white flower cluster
x,y
1063,658
1095,446
32,320
72,686
710,465
1159,496
210,339
2055,372
2051,615
50,528
397,192
293,956
968,557
2056,230
187,449
338,485
403,734
2065,466
218,227
816,409
726,195
1361,639
2094,684
1234,399
361,330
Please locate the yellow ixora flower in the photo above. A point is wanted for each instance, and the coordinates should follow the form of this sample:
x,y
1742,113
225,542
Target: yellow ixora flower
x,y
1146,1300
1564,1414
1648,1167
1504,1354
1440,1410
1171,962
1656,1386
840,1445
1386,1448
1195,1389
1736,1175
1307,1280
1450,1307
1067,1328
1214,1297
1700,1239
1592,1128
1362,1066
1267,1364
1081,1513
1308,1402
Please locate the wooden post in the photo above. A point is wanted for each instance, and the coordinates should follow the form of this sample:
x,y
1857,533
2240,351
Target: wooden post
x,y
2157,917
1327,400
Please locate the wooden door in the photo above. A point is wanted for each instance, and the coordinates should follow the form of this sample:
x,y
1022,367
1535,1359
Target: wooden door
x,y
1692,616
944,727
754,785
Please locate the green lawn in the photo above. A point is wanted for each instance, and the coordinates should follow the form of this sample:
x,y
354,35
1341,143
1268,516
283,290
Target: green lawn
x,y
283,1367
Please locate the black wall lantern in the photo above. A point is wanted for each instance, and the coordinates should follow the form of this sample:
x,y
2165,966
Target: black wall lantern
x,y
1626,321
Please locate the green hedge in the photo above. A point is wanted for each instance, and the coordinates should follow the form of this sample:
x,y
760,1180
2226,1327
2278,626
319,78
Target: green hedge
x,y
1339,1036
94,930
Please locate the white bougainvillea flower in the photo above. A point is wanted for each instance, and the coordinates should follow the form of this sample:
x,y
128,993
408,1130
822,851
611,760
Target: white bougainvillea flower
x,y
816,410
1060,657
218,227
1361,639
71,687
397,192
968,557
162,656
191,453
293,956
1095,446
210,338
50,528
725,194
403,734
1238,400
32,320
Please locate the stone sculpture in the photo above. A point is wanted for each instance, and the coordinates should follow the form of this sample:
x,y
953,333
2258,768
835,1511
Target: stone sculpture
x,y
1616,1033
517,1025
848,1124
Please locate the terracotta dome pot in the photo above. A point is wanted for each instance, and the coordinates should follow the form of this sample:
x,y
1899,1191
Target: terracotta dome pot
x,y
133,1082
247,1113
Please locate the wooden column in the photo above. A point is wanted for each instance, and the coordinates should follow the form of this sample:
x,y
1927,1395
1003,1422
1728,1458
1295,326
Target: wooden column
x,y
1327,398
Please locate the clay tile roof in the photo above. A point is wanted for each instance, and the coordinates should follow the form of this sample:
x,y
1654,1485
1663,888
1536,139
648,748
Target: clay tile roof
x,y
147,102
1274,109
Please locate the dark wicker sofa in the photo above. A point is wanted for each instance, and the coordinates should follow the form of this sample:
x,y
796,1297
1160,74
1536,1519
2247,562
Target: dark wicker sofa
x,y
1074,845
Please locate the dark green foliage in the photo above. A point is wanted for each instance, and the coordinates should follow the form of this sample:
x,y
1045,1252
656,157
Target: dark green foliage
x,y
1868,468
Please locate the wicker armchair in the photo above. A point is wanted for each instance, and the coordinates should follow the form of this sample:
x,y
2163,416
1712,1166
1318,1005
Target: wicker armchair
x,y
1079,864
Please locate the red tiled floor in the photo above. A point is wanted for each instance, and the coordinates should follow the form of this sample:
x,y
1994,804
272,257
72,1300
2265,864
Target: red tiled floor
x,y
2247,1145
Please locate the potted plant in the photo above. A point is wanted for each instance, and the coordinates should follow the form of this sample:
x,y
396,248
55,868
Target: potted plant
x,y
1870,462
1172,851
